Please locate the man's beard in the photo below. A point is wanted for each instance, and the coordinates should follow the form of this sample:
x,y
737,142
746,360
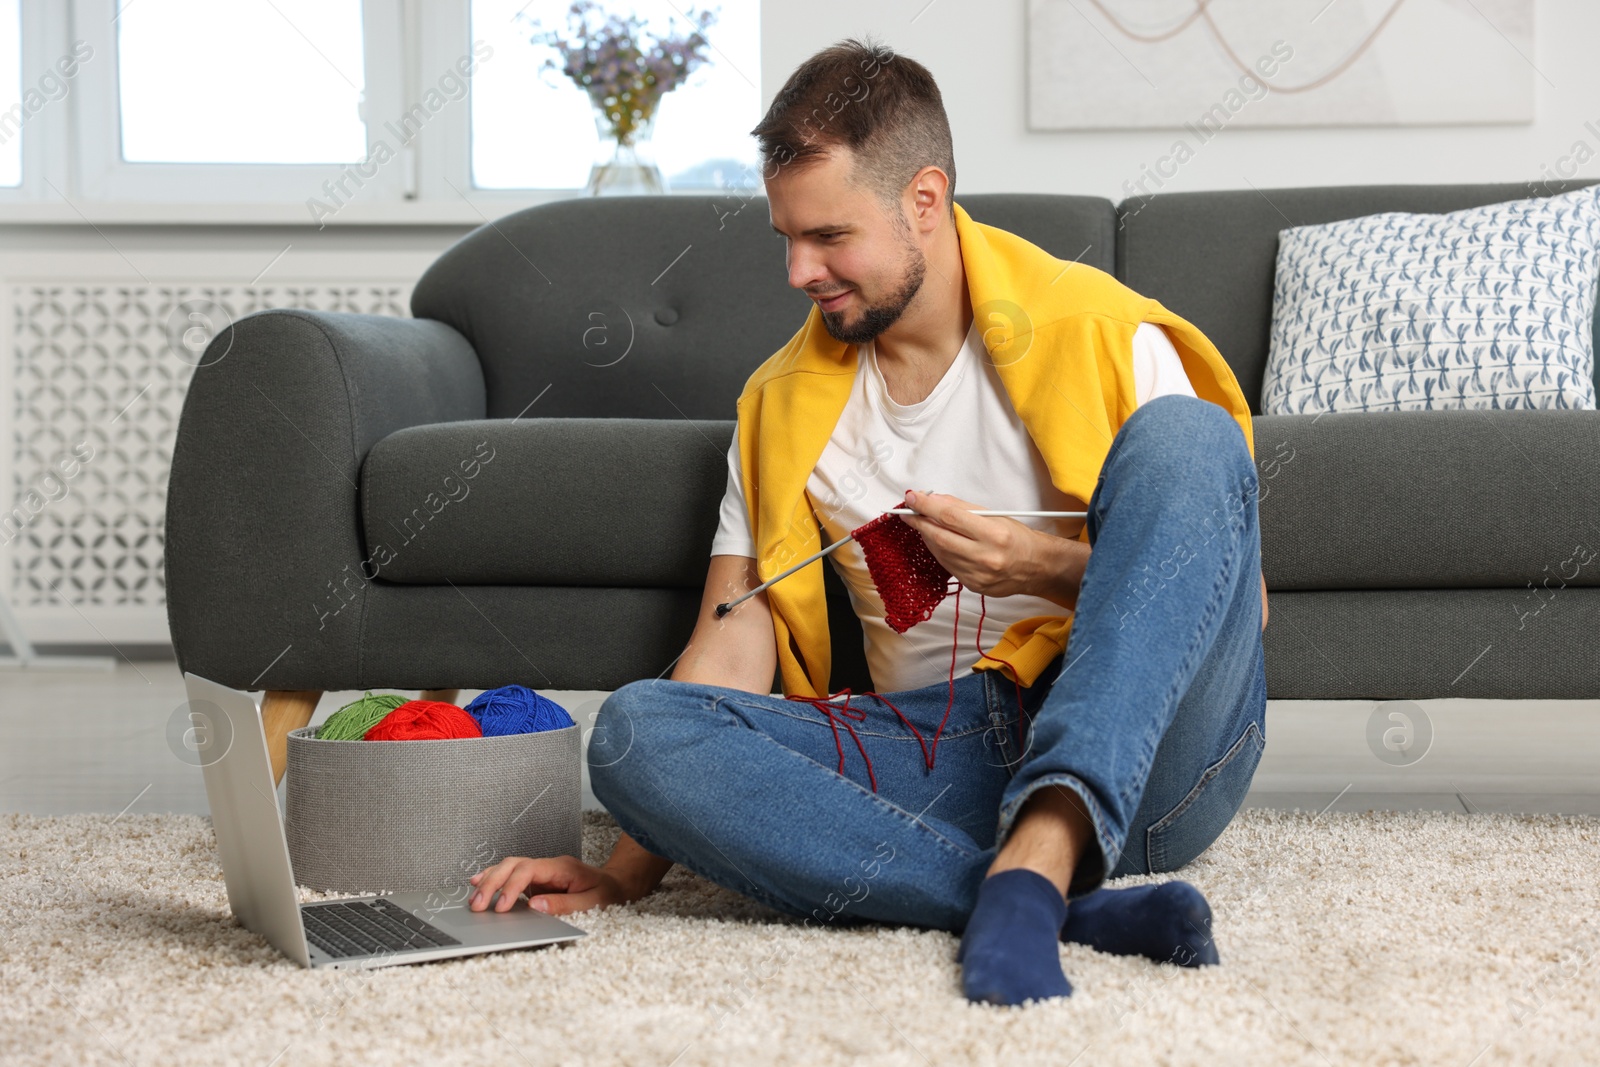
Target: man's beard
x,y
877,318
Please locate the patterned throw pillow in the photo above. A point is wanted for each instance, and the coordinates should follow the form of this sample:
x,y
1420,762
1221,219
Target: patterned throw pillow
x,y
1491,307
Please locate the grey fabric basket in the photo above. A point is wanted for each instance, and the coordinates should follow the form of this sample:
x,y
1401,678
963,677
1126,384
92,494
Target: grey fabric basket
x,y
398,816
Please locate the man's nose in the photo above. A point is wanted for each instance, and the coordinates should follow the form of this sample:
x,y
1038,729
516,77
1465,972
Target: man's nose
x,y
805,269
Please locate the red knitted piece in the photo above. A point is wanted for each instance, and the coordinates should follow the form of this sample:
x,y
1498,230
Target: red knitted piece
x,y
912,583
425,720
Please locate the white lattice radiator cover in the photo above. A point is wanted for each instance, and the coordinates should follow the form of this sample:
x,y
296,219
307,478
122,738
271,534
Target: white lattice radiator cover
x,y
96,373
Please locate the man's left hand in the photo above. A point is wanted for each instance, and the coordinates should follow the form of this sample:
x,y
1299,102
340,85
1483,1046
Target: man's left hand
x,y
992,555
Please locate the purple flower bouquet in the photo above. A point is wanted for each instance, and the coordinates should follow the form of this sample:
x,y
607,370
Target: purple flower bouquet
x,y
624,69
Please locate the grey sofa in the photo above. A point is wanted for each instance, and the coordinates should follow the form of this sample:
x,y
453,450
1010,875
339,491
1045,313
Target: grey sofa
x,y
520,483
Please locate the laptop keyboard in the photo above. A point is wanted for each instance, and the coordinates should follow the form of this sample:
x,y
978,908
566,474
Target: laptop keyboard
x,y
372,927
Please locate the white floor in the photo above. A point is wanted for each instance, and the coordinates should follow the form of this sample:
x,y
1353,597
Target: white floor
x,y
97,741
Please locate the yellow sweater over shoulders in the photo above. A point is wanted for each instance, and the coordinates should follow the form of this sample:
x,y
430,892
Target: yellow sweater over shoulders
x,y
1060,335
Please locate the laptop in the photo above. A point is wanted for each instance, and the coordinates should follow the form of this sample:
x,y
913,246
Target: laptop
x,y
358,932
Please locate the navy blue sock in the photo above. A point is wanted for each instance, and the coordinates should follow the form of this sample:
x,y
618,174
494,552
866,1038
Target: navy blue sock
x,y
1169,922
1009,950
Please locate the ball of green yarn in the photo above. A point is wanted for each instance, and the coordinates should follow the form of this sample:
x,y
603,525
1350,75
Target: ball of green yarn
x,y
351,722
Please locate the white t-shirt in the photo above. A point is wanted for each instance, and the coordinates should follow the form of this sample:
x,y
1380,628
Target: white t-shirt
x,y
964,439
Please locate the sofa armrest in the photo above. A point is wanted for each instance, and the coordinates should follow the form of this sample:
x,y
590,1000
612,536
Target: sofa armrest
x,y
263,539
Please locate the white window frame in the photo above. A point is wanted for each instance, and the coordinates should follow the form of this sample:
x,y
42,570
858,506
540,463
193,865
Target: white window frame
x,y
104,176
44,39
446,166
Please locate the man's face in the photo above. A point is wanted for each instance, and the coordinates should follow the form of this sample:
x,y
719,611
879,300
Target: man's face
x,y
857,261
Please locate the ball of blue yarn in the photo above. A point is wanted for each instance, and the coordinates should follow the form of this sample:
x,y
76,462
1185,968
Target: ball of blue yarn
x,y
516,709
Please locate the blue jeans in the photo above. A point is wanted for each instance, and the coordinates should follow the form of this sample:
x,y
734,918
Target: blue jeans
x,y
1154,716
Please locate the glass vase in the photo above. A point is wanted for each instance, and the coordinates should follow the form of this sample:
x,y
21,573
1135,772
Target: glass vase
x,y
625,167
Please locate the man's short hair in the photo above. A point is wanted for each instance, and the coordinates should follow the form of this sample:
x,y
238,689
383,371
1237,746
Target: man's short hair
x,y
885,108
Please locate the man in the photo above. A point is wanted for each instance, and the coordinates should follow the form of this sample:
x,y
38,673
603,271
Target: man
x,y
949,354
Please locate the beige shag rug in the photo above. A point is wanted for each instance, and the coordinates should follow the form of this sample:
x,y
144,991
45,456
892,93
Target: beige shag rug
x,y
1415,938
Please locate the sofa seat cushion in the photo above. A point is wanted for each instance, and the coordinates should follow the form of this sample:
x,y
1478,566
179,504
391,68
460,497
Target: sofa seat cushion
x,y
1455,499
542,501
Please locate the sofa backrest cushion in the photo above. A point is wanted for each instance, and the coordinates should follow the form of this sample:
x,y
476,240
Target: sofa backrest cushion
x,y
1211,256
661,307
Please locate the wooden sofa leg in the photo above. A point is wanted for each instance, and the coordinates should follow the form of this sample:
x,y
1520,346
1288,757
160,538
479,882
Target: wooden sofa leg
x,y
283,710
446,695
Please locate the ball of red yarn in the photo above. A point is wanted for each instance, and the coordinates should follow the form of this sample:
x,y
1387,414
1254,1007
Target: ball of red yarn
x,y
425,720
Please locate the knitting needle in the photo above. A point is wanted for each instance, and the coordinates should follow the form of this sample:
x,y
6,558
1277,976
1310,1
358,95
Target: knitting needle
x,y
723,609
1017,514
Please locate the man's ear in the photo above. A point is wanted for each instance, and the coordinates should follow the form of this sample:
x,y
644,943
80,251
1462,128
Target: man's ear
x,y
927,189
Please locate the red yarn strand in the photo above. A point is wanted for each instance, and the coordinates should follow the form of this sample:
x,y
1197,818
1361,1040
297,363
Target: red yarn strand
x,y
912,583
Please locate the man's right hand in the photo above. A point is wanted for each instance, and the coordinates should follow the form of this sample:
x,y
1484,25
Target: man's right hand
x,y
559,885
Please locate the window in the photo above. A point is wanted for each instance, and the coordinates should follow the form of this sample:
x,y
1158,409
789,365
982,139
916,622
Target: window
x,y
12,115
289,110
534,129
195,101
293,95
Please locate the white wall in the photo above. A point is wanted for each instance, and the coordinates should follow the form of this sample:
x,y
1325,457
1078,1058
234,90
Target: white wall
x,y
976,50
